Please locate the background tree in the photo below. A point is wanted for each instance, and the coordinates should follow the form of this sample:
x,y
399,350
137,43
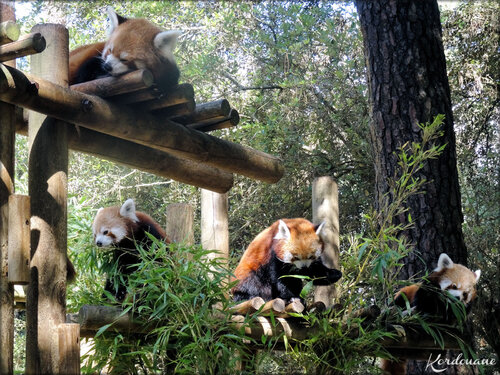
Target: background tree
x,y
408,85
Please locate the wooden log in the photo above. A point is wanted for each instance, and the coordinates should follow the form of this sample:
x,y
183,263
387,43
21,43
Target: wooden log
x,y
48,169
217,123
69,348
295,307
123,122
215,223
112,86
248,307
138,96
183,93
145,159
91,318
19,239
180,219
8,32
293,329
27,45
175,110
218,108
326,208
275,306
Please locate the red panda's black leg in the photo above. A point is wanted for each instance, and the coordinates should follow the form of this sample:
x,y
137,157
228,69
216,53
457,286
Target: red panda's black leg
x,y
321,274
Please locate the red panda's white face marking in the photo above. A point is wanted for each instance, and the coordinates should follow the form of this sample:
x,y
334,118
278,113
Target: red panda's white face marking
x,y
111,224
303,246
458,280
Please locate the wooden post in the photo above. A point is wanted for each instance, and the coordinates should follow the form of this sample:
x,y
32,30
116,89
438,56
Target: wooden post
x,y
180,218
19,239
214,223
69,348
326,208
7,138
48,168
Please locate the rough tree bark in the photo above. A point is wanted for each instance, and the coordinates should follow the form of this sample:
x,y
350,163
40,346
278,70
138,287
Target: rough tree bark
x,y
408,85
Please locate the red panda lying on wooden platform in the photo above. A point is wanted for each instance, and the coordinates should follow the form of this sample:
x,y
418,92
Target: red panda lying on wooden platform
x,y
287,247
132,44
429,299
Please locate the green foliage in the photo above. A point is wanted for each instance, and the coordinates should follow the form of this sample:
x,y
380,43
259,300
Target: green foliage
x,y
182,297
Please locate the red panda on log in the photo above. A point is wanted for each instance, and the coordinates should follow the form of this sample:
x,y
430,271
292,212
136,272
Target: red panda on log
x,y
288,247
132,44
429,298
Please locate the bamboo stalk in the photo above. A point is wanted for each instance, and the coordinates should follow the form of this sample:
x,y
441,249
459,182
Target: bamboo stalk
x,y
97,114
112,86
27,45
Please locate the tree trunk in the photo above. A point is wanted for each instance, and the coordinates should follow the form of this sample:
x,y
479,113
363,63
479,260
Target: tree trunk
x,y
408,85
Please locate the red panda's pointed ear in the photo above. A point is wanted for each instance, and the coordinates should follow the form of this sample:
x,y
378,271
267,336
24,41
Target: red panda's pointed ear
x,y
444,261
283,232
478,275
165,42
115,19
128,210
319,228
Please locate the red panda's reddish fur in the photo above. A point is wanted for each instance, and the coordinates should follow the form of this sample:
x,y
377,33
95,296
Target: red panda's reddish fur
x,y
133,44
304,240
80,55
455,278
287,247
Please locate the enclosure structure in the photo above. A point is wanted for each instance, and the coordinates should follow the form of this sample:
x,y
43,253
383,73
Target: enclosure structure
x,y
129,121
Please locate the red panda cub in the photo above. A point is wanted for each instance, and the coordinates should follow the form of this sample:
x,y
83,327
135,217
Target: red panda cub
x,y
132,44
287,247
122,228
429,299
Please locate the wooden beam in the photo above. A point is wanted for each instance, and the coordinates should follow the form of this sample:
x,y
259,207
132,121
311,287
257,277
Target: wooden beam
x,y
179,94
249,306
8,32
9,29
100,115
28,45
326,208
215,223
180,219
112,86
216,123
145,159
48,171
69,348
218,108
19,239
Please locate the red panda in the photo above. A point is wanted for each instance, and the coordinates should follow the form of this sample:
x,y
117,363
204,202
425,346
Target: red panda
x,y
122,228
132,44
287,247
428,298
